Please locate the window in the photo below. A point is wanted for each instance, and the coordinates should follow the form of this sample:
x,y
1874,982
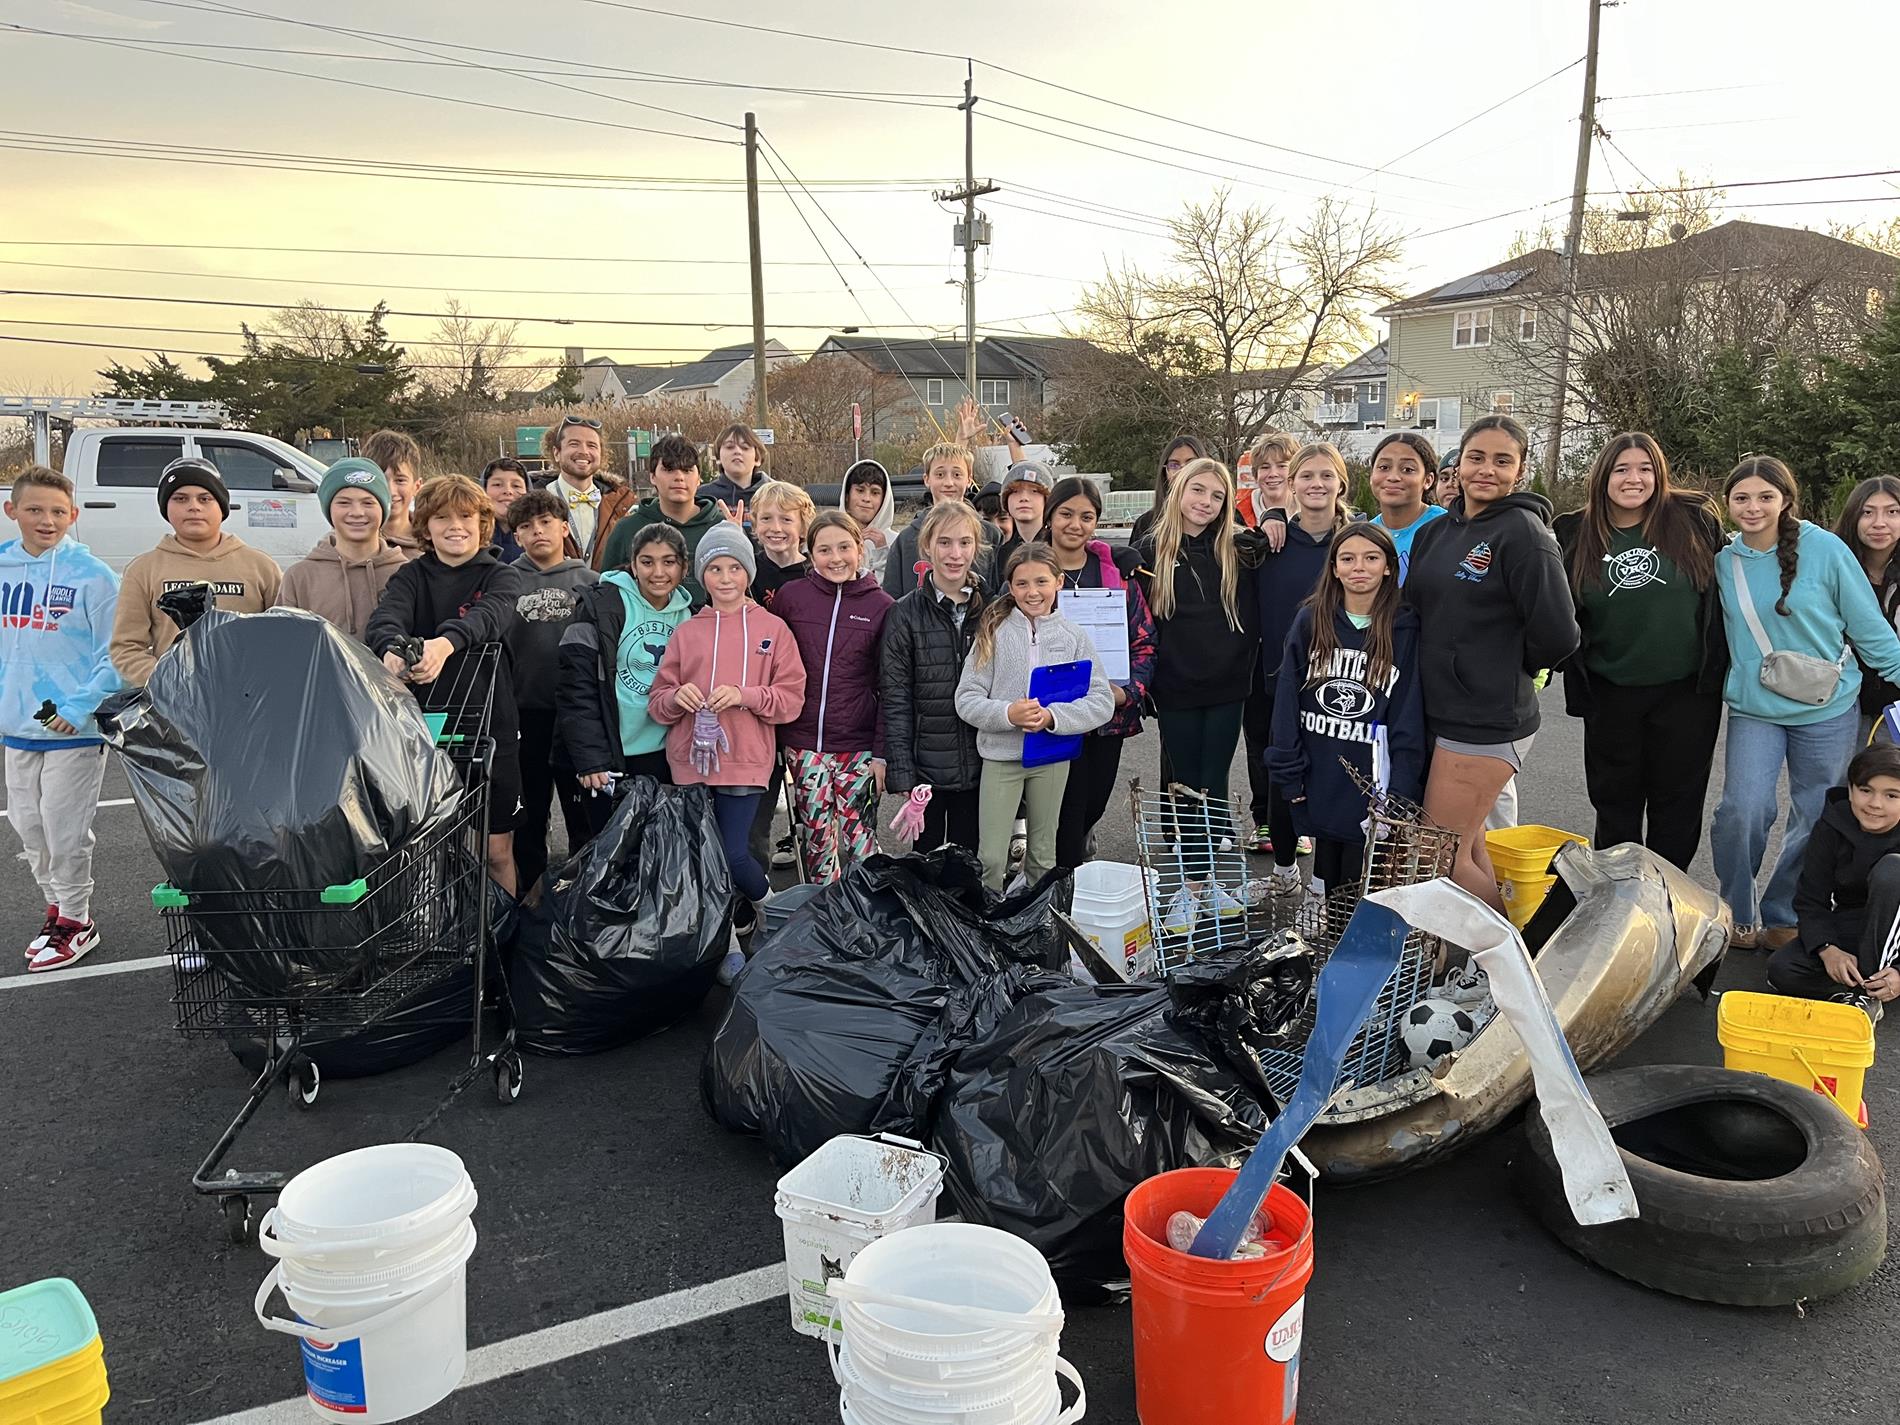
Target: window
x,y
1471,329
1375,393
244,467
1428,413
1503,403
136,463
1344,395
933,391
992,393
1527,324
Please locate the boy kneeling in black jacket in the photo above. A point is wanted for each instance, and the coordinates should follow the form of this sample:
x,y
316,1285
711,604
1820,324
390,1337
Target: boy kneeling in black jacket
x,y
1847,902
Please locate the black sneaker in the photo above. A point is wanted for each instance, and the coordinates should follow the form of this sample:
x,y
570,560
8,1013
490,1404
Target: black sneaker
x,y
784,853
1866,1004
745,917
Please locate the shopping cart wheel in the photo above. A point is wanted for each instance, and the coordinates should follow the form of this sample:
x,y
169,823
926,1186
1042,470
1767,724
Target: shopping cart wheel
x,y
304,1083
508,1077
237,1217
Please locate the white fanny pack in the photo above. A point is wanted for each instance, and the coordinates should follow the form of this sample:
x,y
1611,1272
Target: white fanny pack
x,y
1799,677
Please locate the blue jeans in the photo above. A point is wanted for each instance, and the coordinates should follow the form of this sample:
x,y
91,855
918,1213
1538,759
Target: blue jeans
x,y
1816,755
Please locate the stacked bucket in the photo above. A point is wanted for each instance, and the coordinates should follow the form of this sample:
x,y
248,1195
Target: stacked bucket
x,y
1521,856
52,1363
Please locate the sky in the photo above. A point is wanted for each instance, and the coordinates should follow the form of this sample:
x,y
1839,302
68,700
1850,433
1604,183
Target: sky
x,y
1114,117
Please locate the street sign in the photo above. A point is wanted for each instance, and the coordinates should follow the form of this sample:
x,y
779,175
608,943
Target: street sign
x,y
641,441
764,433
857,421
528,441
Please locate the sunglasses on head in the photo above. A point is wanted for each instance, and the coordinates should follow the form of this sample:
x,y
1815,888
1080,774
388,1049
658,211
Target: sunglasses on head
x,y
567,421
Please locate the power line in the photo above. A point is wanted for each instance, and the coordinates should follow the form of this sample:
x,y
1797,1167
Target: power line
x,y
447,256
770,30
1768,182
1085,219
1465,123
694,352
290,356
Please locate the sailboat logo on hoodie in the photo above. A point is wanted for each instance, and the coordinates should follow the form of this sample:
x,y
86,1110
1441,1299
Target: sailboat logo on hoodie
x,y
1477,563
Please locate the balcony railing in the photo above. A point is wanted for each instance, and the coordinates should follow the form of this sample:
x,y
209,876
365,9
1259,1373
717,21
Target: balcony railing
x,y
1338,413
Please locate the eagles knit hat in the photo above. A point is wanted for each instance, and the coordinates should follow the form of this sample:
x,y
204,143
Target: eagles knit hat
x,y
355,473
192,470
722,540
1029,472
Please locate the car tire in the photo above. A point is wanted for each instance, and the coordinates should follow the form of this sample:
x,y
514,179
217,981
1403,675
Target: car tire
x,y
1753,1192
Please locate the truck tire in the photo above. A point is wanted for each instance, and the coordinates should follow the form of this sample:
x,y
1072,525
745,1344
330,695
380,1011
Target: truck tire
x,y
1754,1192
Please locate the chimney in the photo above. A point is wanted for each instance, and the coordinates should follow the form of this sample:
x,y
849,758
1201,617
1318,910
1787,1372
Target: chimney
x,y
575,355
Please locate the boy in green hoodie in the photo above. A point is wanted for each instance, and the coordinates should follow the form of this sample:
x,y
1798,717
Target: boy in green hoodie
x,y
608,658
675,501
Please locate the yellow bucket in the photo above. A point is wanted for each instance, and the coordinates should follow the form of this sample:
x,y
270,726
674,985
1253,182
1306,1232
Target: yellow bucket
x,y
52,1363
1814,1043
1522,897
1521,857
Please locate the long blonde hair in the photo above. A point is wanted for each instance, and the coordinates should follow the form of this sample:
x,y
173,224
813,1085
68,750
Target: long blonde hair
x,y
1169,534
1323,450
1004,604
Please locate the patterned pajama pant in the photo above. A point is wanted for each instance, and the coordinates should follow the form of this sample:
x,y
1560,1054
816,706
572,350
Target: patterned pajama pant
x,y
834,797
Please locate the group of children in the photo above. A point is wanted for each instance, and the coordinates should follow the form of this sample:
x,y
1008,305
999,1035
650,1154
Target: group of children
x,y
736,636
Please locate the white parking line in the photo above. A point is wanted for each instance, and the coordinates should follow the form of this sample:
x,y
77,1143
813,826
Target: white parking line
x,y
115,802
574,1338
84,972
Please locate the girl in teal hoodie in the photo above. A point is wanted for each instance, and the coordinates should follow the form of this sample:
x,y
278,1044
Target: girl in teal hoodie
x,y
1789,586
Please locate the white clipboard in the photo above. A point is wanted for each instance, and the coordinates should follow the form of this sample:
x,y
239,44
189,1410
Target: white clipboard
x,y
1103,615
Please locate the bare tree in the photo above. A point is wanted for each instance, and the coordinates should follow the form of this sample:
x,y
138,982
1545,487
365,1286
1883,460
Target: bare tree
x,y
1247,316
818,393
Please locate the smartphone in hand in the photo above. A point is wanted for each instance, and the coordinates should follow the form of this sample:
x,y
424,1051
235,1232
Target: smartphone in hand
x,y
1017,430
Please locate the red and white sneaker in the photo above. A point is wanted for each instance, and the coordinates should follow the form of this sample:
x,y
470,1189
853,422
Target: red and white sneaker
x,y
38,942
69,943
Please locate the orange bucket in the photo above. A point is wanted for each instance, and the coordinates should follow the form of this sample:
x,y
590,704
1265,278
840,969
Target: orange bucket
x,y
1215,1342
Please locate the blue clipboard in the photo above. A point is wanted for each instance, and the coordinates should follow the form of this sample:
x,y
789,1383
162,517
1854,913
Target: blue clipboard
x,y
1056,683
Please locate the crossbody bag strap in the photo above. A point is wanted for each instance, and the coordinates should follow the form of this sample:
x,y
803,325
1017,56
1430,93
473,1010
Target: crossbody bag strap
x,y
1742,597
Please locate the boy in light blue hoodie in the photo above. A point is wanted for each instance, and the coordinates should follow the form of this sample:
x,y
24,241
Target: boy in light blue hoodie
x,y
56,608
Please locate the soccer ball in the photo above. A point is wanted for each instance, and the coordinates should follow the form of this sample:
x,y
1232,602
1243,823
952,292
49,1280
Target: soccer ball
x,y
1432,1029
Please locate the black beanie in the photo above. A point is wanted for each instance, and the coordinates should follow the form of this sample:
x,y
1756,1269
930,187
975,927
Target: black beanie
x,y
192,470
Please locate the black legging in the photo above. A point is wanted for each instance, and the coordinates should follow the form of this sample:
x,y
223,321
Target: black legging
x,y
1200,747
1091,788
1286,840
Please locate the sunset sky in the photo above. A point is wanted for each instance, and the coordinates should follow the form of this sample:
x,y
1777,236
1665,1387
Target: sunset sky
x,y
1730,93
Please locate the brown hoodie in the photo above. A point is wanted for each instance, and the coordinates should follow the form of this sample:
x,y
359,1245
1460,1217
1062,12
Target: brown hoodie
x,y
245,581
342,590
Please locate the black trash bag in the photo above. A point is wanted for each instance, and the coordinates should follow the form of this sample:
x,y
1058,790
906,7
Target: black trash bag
x,y
849,1018
273,752
1083,1092
420,1024
629,933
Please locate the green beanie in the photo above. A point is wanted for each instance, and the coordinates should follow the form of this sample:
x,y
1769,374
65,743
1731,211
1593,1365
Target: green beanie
x,y
354,473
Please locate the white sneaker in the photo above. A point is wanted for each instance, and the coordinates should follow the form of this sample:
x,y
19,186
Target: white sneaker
x,y
1285,881
784,853
1184,908
730,967
1223,904
1465,985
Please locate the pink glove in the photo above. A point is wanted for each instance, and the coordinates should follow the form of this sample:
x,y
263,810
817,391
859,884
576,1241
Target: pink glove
x,y
909,821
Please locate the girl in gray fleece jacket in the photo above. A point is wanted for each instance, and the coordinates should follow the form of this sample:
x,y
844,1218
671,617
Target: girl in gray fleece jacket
x,y
1020,632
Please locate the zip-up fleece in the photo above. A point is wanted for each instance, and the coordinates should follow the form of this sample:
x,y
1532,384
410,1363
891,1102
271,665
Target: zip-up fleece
x,y
1023,645
547,602
344,591
1830,899
617,551
1831,607
1201,660
1323,715
244,581
1494,609
838,628
56,614
752,651
610,654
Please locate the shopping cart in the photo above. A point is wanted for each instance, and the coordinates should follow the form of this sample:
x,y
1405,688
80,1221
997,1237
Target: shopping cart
x,y
284,965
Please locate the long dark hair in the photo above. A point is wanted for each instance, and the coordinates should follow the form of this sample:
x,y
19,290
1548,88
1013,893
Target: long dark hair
x,y
1670,521
1162,478
1848,525
1788,527
1329,597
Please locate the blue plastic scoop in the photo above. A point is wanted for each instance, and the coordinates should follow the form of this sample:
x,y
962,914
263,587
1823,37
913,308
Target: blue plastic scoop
x,y
1349,984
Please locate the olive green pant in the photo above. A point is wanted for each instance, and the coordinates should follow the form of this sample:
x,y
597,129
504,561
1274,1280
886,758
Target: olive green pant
x,y
1007,786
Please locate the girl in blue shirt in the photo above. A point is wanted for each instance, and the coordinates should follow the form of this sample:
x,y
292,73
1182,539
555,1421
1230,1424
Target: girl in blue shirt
x,y
1404,465
1810,596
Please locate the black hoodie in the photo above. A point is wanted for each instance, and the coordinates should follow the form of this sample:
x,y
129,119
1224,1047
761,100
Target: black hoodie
x,y
1830,899
469,604
1494,608
1201,660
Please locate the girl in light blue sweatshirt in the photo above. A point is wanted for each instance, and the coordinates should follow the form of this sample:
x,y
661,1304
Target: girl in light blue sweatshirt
x,y
1804,588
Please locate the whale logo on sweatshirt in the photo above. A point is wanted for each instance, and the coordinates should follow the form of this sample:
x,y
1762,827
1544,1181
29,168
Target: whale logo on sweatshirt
x,y
1477,563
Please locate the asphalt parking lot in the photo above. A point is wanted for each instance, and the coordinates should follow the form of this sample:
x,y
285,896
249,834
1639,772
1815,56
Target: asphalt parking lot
x,y
624,1271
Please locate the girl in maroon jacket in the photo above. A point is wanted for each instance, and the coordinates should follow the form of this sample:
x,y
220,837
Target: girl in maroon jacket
x,y
834,748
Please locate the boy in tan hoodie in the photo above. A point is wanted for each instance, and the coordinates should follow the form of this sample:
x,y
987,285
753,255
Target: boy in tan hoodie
x,y
192,497
343,577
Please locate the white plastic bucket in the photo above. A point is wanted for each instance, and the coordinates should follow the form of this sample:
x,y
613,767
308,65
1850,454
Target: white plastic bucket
x,y
841,1199
373,1250
953,1322
1111,909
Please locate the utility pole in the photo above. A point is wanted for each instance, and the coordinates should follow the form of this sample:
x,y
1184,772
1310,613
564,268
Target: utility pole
x,y
759,417
970,233
1586,134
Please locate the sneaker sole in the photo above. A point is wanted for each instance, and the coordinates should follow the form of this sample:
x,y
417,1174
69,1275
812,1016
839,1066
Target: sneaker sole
x,y
73,958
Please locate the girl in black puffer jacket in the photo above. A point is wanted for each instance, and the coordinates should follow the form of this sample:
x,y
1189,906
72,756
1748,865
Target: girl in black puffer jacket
x,y
927,637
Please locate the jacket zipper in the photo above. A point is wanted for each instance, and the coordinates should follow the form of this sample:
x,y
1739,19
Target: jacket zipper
x,y
824,687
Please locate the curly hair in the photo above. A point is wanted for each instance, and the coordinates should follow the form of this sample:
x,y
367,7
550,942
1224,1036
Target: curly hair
x,y
452,495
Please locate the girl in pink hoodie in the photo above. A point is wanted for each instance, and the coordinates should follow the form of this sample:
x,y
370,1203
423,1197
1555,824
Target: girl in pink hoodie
x,y
730,675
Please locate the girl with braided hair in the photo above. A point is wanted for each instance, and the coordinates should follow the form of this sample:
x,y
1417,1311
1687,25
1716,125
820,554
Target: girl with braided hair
x,y
1787,587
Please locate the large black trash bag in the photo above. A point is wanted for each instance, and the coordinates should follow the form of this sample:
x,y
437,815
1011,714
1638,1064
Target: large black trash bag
x,y
1081,1093
850,1016
630,932
273,752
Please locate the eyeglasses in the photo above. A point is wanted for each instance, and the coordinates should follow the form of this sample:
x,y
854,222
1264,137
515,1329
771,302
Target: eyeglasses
x,y
567,421
1171,466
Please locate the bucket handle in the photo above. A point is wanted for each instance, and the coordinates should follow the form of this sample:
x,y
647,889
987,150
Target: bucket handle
x,y
1042,1323
271,1245
407,1306
1063,1368
1820,1084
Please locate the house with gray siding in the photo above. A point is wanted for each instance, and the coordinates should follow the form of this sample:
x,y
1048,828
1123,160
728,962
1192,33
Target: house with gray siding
x,y
917,383
1353,397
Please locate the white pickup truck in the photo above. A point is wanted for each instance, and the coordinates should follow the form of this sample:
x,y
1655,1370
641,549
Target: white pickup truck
x,y
115,479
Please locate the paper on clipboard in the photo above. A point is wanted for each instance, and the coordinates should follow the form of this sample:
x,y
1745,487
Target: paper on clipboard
x,y
1103,615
